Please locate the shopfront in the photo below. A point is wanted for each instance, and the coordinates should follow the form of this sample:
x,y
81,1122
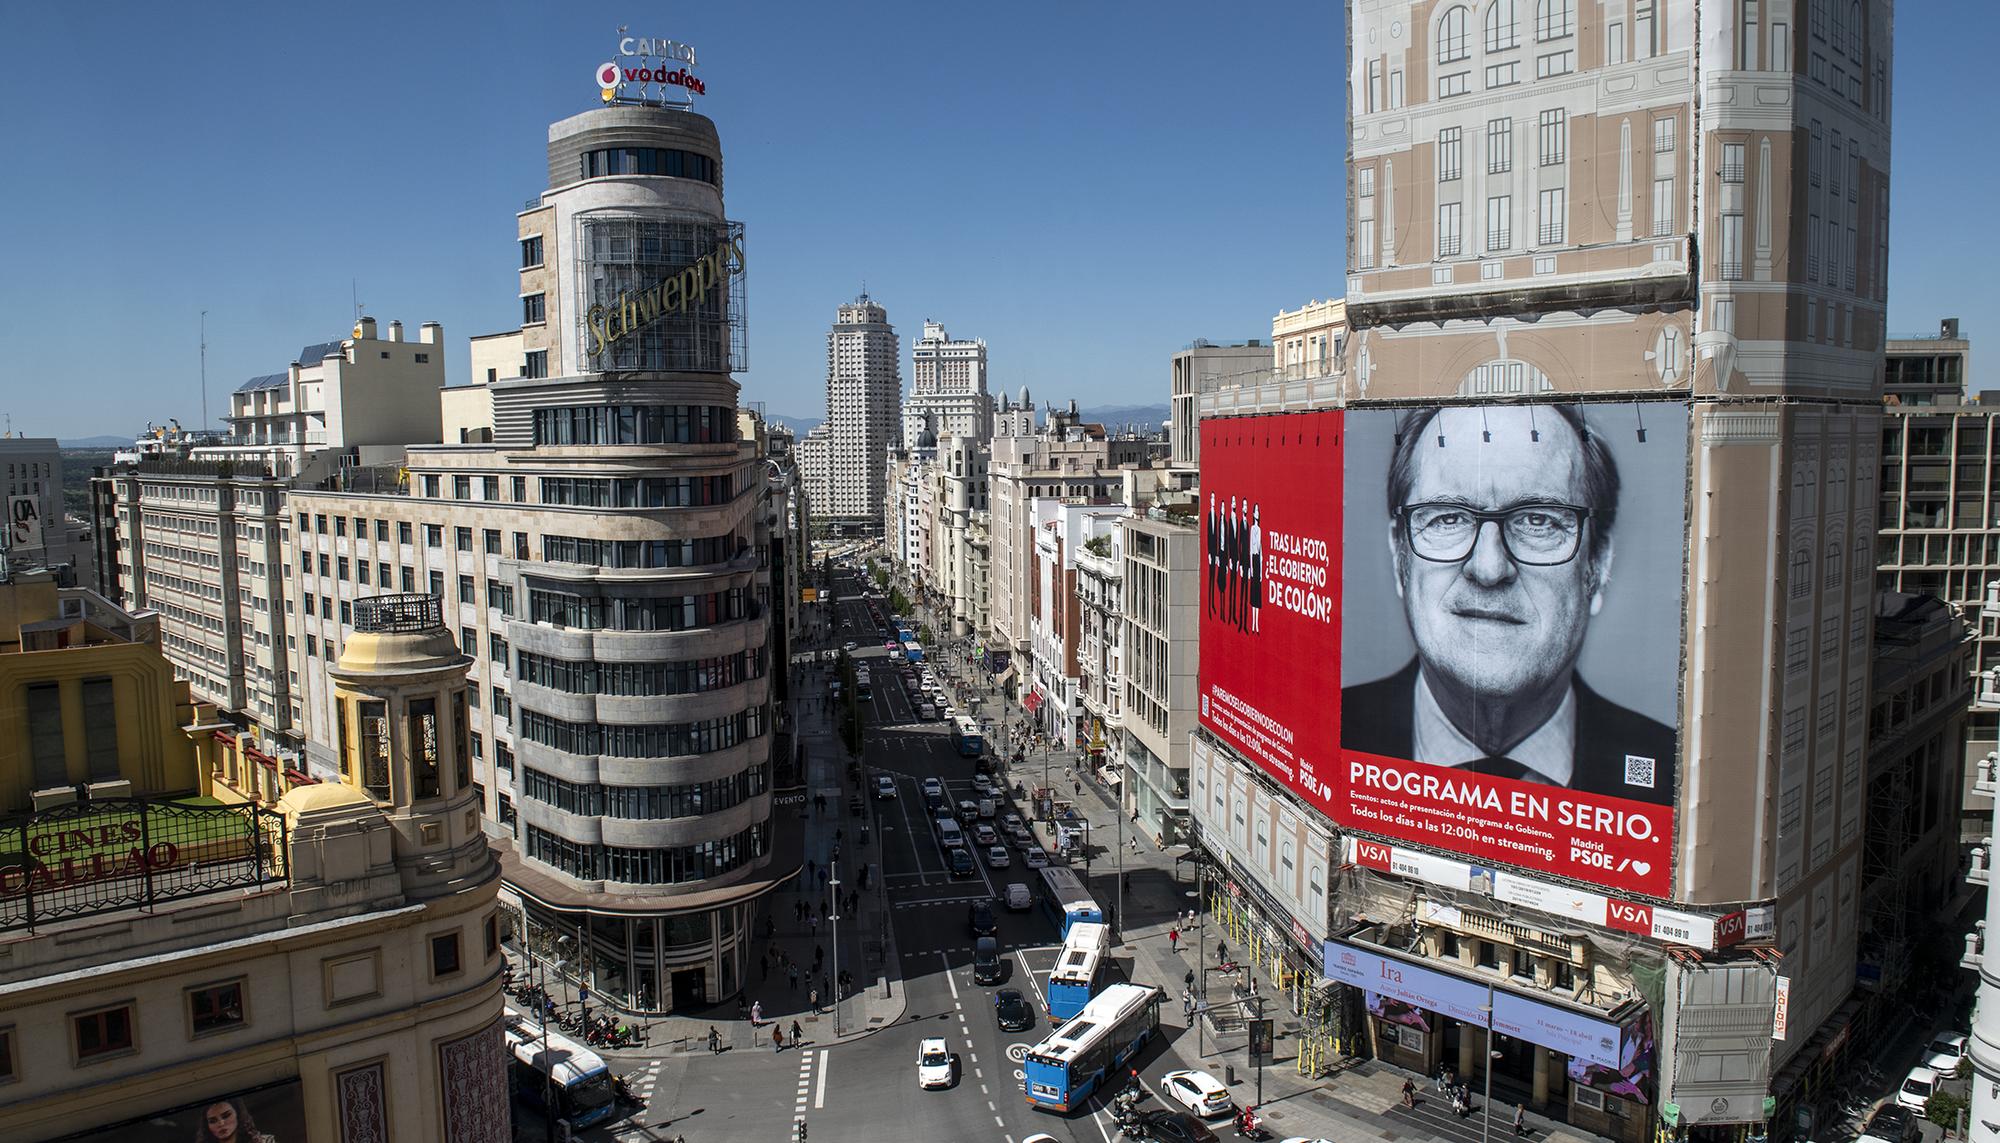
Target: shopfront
x,y
645,963
1594,1067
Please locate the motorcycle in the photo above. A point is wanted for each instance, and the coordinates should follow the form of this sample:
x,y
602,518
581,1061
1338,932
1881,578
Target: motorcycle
x,y
1248,1126
621,1090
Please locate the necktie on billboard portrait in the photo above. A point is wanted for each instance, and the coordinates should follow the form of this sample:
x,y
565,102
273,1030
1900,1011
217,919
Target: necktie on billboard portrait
x,y
1508,768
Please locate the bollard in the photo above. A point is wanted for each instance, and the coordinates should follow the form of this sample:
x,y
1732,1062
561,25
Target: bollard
x,y
1229,1074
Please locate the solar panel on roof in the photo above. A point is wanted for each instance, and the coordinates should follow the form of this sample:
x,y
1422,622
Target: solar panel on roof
x,y
312,354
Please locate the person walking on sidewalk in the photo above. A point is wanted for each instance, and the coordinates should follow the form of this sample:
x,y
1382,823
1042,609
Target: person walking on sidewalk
x,y
1174,939
757,1013
714,1040
812,998
1520,1120
798,1033
777,1039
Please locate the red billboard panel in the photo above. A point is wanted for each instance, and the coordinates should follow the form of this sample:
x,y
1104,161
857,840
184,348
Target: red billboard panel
x,y
1270,600
1413,619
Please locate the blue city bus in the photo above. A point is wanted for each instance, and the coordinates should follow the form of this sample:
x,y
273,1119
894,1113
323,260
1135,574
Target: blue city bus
x,y
1066,901
862,689
905,635
1079,969
965,737
913,651
1094,1046
550,1068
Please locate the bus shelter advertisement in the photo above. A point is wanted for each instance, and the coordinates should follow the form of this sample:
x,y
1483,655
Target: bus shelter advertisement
x,y
1507,626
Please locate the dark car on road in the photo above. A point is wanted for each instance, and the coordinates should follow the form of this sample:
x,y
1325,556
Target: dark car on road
x,y
1174,1127
980,917
1891,1124
1013,1010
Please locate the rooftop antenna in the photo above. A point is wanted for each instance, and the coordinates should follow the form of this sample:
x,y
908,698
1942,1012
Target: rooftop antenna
x,y
204,371
354,295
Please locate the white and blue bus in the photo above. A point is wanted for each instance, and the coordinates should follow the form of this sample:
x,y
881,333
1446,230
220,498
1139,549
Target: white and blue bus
x,y
1079,968
1092,1047
550,1068
1066,901
966,739
913,651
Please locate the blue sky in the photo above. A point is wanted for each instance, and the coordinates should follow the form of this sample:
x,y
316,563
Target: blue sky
x,y
1087,186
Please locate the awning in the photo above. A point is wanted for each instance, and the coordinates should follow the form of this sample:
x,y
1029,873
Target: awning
x,y
1005,677
1108,775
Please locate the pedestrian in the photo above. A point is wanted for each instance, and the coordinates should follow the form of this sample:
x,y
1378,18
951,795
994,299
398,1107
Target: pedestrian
x,y
1253,985
812,998
793,972
757,1013
1190,979
714,1040
1221,953
1174,939
1409,1094
1520,1120
777,1039
798,1033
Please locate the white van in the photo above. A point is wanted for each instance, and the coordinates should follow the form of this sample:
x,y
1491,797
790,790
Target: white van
x,y
949,835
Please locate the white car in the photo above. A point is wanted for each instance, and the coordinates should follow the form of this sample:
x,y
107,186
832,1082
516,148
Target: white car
x,y
1035,858
885,786
1199,1092
848,646
997,858
1018,897
934,1064
1918,1088
1944,1052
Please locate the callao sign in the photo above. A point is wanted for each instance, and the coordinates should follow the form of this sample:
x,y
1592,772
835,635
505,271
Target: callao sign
x,y
645,62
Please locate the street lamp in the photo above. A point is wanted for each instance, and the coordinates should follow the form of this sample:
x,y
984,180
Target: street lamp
x,y
833,911
1486,1101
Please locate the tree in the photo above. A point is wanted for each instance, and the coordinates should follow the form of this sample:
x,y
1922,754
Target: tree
x,y
1943,1109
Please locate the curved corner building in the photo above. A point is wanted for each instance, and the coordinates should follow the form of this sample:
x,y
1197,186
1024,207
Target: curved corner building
x,y
600,532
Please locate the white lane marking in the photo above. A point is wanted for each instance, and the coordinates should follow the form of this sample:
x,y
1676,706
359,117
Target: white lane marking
x,y
1021,955
999,1122
947,975
819,1096
983,1091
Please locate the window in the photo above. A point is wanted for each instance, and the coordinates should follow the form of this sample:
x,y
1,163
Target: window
x,y
100,729
341,568
433,535
105,1032
1450,160
1554,19
468,640
1524,964
1499,146
431,486
519,486
1663,207
444,954
407,582
437,585
496,650
1747,58
1499,222
215,1008
1552,64
465,590
647,161
1553,129
402,531
1453,43
340,525
8,1069
478,746
520,545
1551,228
1488,956
462,538
319,524
45,735
531,251
535,363
461,488
1732,162
492,929
1664,131
1732,247
346,612
1449,218
1503,29
533,310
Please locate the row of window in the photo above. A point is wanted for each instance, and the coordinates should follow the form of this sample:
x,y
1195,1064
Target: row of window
x,y
635,424
637,613
671,866
646,803
637,491
695,552
681,677
666,161
643,740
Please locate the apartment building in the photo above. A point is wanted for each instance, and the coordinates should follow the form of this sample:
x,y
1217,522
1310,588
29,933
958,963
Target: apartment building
x,y
608,561
1198,369
1162,600
330,970
1572,236
863,385
39,532
947,387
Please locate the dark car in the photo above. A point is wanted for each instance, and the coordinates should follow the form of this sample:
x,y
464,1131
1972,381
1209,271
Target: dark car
x,y
1174,1127
961,863
1892,1124
987,967
1013,1010
980,917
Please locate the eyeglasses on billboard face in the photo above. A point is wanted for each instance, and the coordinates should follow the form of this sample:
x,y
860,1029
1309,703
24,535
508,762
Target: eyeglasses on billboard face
x,y
1539,535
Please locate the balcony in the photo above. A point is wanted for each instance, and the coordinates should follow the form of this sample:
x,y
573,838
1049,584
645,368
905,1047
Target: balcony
x,y
1986,775
1980,872
1975,948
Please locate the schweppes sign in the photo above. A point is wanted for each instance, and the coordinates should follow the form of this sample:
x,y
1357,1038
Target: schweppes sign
x,y
608,325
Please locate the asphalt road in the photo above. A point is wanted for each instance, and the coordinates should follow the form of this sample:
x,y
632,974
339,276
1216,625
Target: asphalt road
x,y
867,1089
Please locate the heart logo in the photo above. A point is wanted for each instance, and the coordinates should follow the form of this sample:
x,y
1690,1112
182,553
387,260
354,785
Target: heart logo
x,y
1642,867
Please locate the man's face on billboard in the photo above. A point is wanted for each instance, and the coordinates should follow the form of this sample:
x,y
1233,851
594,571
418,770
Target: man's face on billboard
x,y
1501,623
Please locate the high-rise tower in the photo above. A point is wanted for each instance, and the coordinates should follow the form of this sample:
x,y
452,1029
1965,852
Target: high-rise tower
x,y
863,384
947,388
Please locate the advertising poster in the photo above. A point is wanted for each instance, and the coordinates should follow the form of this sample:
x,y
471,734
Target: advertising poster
x,y
1270,598
273,1114
24,524
1510,634
1633,1073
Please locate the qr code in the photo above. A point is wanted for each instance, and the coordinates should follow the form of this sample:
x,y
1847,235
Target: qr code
x,y
1638,771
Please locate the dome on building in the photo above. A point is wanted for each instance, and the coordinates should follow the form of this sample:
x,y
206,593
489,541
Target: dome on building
x,y
927,438
1026,401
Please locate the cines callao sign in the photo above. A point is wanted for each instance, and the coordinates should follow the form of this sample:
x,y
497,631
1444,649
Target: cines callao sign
x,y
607,325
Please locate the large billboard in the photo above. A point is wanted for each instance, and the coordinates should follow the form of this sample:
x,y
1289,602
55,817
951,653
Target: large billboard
x,y
1271,614
1505,642
270,1114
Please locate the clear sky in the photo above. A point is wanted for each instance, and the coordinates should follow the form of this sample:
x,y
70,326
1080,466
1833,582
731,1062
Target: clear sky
x,y
1087,186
